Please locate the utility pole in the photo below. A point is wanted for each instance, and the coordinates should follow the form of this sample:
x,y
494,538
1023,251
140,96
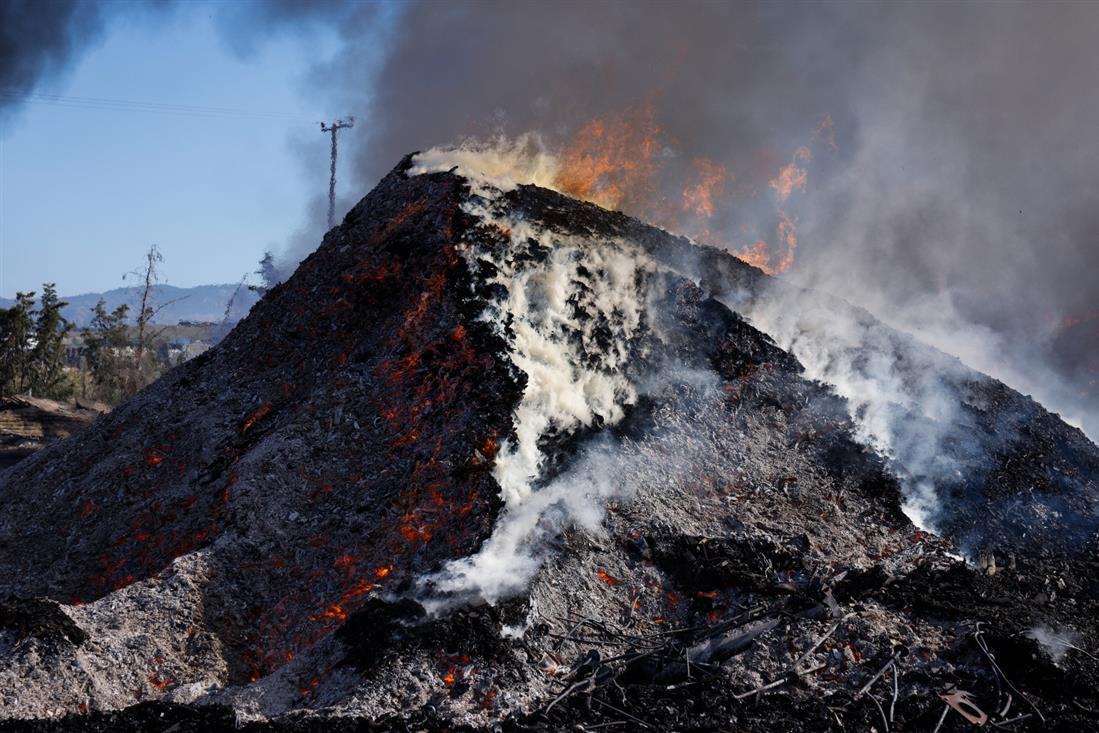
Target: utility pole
x,y
333,129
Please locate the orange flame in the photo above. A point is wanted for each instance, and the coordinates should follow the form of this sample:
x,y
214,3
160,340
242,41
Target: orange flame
x,y
698,198
756,254
617,162
825,131
612,162
788,235
792,175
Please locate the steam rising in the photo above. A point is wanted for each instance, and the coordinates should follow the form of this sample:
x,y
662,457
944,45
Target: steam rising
x,y
570,311
902,396
497,165
1057,643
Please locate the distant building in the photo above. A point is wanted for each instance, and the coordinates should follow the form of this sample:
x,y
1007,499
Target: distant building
x,y
181,350
73,344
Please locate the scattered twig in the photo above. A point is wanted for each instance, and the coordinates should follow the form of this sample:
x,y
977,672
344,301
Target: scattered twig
x,y
896,691
606,704
837,717
876,677
992,660
788,677
821,640
946,709
880,712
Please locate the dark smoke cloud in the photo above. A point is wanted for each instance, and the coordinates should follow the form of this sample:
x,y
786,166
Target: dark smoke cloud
x,y
960,199
38,39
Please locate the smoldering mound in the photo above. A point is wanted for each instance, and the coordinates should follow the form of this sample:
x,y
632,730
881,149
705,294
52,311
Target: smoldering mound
x,y
497,457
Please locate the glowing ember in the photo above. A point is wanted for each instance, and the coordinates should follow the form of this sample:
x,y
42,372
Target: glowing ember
x,y
360,588
258,414
334,611
158,681
607,578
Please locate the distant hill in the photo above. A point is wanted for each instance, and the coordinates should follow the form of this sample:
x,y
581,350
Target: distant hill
x,y
200,303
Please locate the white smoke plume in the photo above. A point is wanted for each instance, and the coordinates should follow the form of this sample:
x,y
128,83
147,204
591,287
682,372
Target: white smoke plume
x,y
898,392
1057,642
571,309
500,164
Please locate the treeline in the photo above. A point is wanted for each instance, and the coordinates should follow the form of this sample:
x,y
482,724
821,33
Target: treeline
x,y
115,359
119,353
32,348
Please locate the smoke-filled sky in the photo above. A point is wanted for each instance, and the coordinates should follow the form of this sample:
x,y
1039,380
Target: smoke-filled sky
x,y
954,191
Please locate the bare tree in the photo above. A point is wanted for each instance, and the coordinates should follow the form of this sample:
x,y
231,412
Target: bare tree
x,y
149,277
226,320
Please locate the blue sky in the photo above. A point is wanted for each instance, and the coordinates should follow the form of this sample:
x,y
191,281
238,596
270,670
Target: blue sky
x,y
84,192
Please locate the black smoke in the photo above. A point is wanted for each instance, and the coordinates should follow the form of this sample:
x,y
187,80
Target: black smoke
x,y
39,39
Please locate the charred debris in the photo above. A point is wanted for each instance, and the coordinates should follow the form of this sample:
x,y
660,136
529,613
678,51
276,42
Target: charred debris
x,y
272,537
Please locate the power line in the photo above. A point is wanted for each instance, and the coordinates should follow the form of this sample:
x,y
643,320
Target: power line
x,y
126,105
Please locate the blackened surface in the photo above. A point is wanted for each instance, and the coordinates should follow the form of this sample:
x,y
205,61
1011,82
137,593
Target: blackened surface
x,y
335,442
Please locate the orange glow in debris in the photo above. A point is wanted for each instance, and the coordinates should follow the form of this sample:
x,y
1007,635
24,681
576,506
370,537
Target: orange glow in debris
x,y
258,414
606,578
334,611
158,681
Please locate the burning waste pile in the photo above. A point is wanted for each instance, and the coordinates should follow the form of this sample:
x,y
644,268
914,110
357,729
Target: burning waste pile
x,y
496,458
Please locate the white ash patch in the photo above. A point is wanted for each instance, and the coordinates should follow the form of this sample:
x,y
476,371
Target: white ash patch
x,y
144,641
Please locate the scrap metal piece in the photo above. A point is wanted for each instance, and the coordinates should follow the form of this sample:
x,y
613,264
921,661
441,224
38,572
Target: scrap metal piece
x,y
963,704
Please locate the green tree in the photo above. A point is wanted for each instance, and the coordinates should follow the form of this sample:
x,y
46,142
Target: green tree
x,y
47,355
16,343
106,350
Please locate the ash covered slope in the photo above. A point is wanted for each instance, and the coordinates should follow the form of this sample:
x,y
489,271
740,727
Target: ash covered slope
x,y
470,394
338,440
